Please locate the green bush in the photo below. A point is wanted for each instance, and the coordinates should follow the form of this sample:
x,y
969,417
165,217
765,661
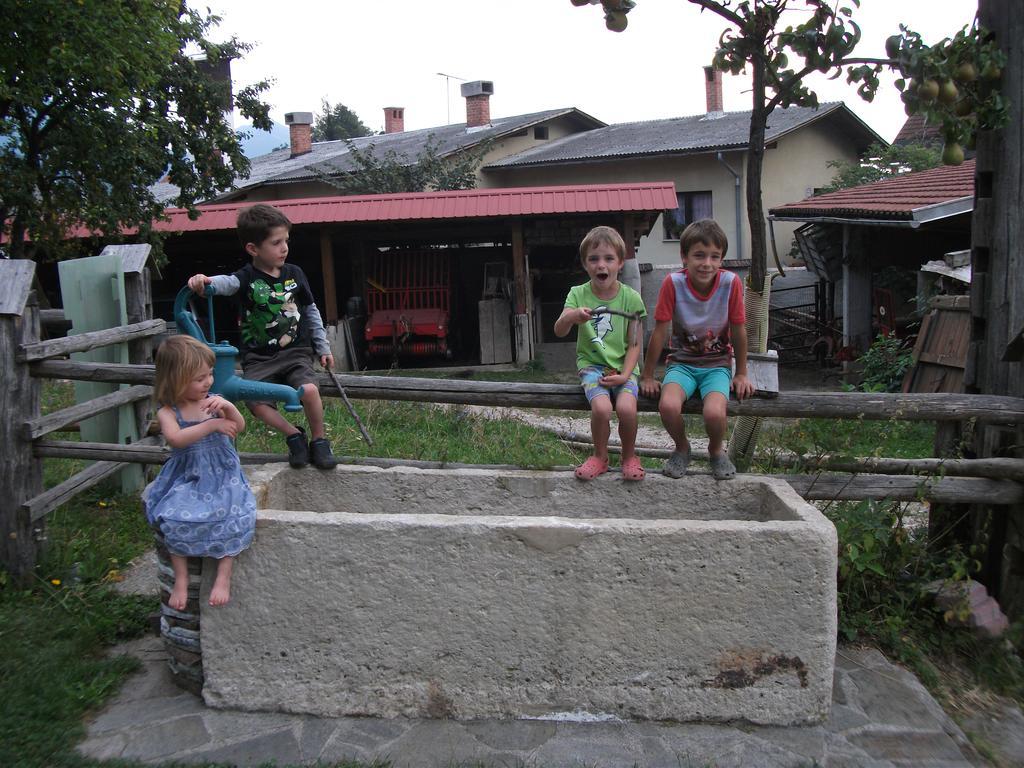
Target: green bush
x,y
884,364
885,569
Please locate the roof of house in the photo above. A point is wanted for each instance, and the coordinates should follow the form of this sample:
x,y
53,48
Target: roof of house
x,y
914,198
917,130
684,135
333,157
462,204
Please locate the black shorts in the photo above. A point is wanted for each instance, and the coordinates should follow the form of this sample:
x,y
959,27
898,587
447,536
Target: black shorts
x,y
292,366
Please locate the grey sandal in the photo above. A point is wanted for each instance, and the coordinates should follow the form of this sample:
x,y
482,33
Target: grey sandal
x,y
722,467
676,464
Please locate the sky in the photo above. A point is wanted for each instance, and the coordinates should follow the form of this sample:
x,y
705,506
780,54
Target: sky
x,y
540,54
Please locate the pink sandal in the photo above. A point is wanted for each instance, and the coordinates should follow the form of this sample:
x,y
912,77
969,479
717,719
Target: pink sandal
x,y
631,469
591,468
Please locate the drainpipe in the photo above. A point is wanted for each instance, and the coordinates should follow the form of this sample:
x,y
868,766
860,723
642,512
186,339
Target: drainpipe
x,y
739,211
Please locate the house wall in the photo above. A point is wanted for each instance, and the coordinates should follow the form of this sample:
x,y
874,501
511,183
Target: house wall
x,y
691,173
509,145
795,167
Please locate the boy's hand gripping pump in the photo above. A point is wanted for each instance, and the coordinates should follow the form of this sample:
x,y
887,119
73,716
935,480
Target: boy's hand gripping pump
x,y
225,382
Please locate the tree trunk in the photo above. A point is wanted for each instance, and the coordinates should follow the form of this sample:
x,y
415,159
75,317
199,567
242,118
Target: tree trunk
x,y
755,163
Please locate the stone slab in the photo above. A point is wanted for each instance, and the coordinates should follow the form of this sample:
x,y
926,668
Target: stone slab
x,y
508,594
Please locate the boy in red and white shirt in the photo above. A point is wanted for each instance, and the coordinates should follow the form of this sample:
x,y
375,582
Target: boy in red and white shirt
x,y
702,308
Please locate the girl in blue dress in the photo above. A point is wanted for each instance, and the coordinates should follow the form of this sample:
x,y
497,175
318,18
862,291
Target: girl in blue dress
x,y
200,501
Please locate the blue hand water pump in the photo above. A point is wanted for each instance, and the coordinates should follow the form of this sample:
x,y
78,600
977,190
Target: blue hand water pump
x,y
226,382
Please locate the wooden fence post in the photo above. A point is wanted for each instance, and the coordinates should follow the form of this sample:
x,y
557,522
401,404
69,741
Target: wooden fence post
x,y
138,296
21,476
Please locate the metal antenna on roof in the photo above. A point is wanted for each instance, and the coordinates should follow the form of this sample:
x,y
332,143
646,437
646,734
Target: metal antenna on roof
x,y
447,94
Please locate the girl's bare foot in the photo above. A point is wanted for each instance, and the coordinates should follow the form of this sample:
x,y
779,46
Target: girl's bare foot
x,y
221,592
179,595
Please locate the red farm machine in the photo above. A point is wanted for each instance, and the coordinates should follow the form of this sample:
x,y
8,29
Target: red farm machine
x,y
408,300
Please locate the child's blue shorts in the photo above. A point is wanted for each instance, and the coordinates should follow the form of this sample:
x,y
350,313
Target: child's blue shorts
x,y
591,375
691,379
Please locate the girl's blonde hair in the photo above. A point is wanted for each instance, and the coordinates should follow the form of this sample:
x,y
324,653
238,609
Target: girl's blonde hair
x,y
178,359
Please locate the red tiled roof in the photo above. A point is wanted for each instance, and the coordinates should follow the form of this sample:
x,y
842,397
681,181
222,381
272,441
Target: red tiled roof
x,y
906,197
471,203
917,130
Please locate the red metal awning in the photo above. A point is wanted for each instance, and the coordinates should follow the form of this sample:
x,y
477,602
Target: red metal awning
x,y
464,204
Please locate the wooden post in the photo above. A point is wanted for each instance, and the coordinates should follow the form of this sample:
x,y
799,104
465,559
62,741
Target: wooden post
x,y
997,295
628,235
138,299
330,285
21,475
856,292
523,310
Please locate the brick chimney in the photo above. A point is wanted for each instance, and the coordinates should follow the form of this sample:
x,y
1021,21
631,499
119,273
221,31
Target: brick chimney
x,y
478,102
713,88
300,132
394,119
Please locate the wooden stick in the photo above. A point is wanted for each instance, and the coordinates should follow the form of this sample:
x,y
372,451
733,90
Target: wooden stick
x,y
348,404
633,317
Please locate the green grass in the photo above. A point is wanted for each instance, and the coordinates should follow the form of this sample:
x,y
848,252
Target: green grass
x,y
53,668
848,437
424,432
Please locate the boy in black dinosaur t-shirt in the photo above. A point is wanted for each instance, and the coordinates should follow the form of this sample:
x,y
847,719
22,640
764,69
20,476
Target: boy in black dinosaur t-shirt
x,y
281,326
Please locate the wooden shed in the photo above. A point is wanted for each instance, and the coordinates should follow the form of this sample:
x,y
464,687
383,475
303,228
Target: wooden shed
x,y
530,234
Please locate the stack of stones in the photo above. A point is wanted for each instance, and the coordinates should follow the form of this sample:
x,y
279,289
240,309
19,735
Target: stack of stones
x,y
180,629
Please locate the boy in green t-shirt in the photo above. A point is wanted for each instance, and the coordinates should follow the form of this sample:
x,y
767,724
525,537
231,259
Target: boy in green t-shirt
x,y
607,348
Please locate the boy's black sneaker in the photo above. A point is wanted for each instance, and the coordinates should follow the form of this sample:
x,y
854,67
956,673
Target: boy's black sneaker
x,y
298,449
320,451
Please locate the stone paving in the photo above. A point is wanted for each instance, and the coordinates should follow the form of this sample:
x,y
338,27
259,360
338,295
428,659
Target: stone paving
x,y
881,716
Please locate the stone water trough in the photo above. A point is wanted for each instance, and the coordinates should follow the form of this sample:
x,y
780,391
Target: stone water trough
x,y
527,594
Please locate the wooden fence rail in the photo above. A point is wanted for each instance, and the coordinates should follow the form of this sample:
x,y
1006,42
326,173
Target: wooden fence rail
x,y
52,422
840,405
47,501
83,342
815,486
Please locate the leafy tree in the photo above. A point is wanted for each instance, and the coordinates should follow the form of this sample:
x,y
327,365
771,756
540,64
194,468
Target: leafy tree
x,y
337,122
392,172
882,162
951,83
99,100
